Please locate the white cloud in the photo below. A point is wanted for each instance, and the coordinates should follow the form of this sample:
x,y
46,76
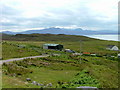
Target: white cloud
x,y
88,14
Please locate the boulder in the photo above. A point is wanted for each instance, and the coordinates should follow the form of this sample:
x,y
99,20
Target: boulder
x,y
28,79
34,82
88,88
50,84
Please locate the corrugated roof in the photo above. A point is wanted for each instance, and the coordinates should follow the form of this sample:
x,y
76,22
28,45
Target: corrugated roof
x,y
51,44
110,46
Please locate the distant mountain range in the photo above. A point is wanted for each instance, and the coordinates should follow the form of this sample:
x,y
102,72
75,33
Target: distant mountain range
x,y
54,30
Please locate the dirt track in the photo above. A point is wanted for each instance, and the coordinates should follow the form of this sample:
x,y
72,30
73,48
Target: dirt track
x,y
17,59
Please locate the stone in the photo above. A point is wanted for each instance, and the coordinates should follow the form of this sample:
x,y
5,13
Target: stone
x,y
39,84
50,84
34,82
28,79
88,88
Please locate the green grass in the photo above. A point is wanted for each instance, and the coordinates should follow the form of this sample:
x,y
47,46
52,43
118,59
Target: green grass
x,y
69,41
13,51
60,70
82,79
44,75
56,69
12,82
108,78
41,73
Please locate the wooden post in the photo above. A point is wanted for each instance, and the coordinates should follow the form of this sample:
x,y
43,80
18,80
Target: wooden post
x,y
80,51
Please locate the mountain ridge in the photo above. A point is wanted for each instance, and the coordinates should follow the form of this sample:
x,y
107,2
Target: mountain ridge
x,y
77,31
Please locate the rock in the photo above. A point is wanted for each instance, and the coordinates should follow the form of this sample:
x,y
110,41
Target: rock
x,y
44,87
88,88
14,74
47,85
28,79
39,84
50,84
34,82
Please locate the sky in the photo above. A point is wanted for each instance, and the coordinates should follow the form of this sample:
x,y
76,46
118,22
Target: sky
x,y
21,15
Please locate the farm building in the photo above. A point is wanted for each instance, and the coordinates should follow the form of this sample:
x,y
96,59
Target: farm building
x,y
112,47
53,46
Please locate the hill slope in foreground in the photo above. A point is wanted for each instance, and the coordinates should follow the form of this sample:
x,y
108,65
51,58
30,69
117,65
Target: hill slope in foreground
x,y
64,71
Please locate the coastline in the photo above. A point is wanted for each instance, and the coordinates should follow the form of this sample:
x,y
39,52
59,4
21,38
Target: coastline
x,y
110,37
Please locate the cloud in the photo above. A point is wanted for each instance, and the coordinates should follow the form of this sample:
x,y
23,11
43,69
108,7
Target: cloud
x,y
24,14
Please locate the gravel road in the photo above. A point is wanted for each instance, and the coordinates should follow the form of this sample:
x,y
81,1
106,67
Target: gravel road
x,y
17,59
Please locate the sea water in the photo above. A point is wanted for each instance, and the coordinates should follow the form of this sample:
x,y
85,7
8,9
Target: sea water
x,y
106,37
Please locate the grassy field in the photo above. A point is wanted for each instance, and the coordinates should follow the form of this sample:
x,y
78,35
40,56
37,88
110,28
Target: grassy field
x,y
64,71
57,69
30,45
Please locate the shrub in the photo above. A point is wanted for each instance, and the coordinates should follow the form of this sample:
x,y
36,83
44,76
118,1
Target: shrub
x,y
65,86
83,79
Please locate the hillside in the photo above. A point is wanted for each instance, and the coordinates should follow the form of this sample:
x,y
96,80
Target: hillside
x,y
64,71
44,37
69,41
